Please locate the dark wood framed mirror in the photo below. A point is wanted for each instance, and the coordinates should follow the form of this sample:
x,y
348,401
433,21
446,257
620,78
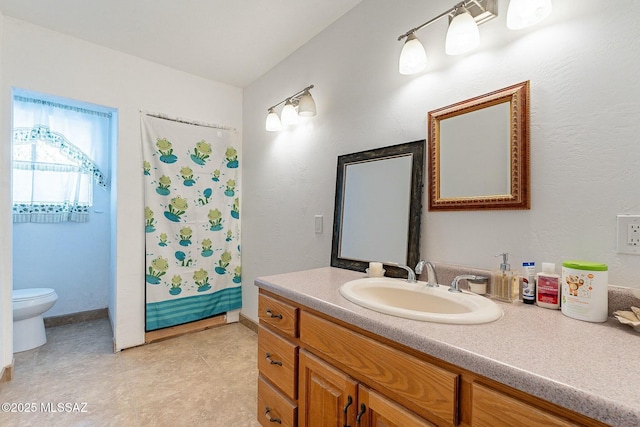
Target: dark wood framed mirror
x,y
378,205
479,152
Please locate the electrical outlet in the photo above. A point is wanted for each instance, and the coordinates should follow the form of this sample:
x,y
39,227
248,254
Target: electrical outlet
x,y
633,235
629,234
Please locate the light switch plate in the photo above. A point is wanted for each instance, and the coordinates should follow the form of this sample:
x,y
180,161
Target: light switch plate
x,y
629,234
318,224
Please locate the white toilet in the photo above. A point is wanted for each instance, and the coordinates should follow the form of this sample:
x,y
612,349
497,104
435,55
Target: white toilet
x,y
28,326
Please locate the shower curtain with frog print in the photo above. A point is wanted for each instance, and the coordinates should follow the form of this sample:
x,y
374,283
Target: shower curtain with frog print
x,y
192,221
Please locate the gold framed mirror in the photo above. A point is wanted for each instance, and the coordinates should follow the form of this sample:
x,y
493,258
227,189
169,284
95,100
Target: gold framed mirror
x,y
479,152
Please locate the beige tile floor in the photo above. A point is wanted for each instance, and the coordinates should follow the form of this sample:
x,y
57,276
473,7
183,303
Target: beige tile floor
x,y
206,378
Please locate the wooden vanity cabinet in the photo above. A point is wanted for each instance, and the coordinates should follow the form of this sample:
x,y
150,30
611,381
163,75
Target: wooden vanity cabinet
x,y
318,371
311,386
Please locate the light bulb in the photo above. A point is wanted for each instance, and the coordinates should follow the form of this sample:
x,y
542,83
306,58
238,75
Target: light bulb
x,y
306,105
413,57
273,121
525,13
289,114
463,34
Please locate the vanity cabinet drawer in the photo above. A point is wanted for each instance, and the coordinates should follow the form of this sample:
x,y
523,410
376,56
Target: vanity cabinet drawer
x,y
274,409
492,408
278,314
278,361
426,389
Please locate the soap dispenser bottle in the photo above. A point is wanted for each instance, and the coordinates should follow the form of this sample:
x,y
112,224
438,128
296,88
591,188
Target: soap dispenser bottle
x,y
505,284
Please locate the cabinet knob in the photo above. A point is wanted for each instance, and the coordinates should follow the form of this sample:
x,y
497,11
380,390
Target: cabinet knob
x,y
273,316
273,362
267,414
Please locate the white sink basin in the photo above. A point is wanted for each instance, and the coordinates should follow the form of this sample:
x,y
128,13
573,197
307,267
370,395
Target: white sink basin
x,y
419,302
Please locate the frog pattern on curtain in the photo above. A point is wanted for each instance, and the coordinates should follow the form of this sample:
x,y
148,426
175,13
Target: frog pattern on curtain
x,y
192,221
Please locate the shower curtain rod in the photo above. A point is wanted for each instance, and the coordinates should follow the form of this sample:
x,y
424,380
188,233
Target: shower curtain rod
x,y
189,122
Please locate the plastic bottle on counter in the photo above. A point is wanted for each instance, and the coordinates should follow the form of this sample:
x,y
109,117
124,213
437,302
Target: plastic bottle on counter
x,y
548,287
529,282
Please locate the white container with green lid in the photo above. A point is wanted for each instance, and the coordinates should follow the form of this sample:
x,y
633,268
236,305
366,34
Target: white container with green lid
x,y
584,290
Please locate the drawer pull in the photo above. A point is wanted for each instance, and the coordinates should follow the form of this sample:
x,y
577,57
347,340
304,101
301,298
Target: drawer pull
x,y
270,418
273,316
273,362
346,408
363,409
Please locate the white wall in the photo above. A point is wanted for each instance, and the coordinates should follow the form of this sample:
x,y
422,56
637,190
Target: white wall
x,y
583,65
41,60
71,257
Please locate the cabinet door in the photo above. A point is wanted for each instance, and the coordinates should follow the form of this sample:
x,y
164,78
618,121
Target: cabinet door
x,y
327,396
375,410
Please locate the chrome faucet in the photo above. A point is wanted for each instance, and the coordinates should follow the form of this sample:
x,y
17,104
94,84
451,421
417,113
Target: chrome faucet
x,y
431,272
411,276
455,285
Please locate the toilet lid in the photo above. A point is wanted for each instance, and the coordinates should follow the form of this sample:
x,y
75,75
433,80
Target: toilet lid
x,y
33,293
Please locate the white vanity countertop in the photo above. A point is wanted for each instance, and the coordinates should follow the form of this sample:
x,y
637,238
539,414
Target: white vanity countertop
x,y
590,368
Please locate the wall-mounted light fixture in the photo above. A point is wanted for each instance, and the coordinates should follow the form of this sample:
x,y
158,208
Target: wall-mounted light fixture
x,y
463,34
299,104
525,13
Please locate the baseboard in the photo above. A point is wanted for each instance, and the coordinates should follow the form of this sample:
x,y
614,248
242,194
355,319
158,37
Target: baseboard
x,y
245,321
6,374
186,328
82,316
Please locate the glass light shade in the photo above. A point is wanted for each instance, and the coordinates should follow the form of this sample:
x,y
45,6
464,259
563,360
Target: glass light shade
x,y
413,57
273,121
463,34
525,13
289,114
306,105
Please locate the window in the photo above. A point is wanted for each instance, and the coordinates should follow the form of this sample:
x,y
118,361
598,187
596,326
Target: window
x,y
59,151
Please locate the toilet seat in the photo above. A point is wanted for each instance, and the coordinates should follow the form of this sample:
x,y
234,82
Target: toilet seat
x,y
20,295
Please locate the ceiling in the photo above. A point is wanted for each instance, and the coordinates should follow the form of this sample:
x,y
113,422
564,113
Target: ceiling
x,y
229,41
